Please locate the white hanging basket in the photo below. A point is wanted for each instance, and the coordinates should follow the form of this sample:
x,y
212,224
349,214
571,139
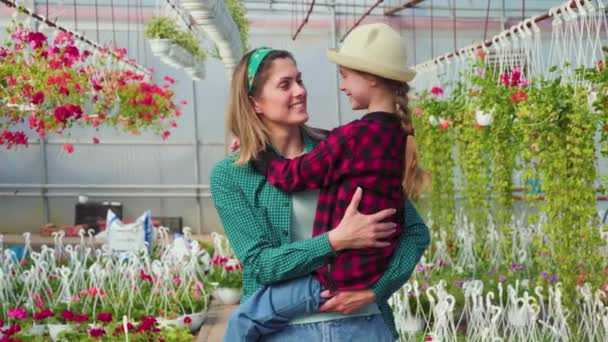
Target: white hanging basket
x,y
56,329
160,47
227,296
484,118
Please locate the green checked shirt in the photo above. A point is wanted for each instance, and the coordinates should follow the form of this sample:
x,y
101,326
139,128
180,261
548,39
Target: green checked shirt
x,y
257,218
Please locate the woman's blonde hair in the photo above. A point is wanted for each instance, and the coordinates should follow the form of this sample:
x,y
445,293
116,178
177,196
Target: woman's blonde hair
x,y
241,119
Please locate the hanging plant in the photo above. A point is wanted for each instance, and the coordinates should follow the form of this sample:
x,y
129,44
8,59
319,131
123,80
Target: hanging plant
x,y
433,120
561,140
474,162
238,12
55,86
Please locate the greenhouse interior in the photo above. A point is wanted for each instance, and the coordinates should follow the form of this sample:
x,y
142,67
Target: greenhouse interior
x,y
398,170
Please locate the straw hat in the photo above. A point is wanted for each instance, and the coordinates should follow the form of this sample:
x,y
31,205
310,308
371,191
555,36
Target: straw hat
x,y
375,49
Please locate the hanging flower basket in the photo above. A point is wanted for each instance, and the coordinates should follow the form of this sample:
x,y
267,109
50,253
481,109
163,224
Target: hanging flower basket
x,y
483,118
56,329
160,47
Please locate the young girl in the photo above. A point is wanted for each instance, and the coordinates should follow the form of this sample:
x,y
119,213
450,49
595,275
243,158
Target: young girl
x,y
369,153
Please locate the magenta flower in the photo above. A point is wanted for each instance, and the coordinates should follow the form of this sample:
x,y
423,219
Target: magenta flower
x,y
17,313
44,314
38,98
104,317
437,91
36,40
97,332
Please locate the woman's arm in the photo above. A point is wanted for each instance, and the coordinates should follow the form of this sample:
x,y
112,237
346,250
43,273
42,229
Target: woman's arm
x,y
414,240
267,263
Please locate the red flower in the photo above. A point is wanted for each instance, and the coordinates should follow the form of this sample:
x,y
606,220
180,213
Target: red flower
x,y
187,320
67,315
44,314
69,148
104,317
600,66
169,79
519,95
12,330
436,90
36,39
38,98
81,318
166,135
95,140
121,330
481,54
1,323
97,332
444,125
144,276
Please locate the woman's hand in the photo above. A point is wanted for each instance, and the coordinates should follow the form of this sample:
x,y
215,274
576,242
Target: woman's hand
x,y
346,302
357,230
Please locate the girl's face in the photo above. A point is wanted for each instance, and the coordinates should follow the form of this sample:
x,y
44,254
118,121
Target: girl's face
x,y
357,87
282,101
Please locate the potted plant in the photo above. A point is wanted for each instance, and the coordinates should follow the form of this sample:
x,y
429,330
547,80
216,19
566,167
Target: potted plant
x,y
161,33
226,276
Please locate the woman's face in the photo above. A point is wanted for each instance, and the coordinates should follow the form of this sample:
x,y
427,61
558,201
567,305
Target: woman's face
x,y
283,97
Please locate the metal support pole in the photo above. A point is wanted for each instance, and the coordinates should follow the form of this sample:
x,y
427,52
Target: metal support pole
x,y
197,165
334,44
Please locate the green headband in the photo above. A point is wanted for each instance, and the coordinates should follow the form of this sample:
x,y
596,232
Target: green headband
x,y
255,60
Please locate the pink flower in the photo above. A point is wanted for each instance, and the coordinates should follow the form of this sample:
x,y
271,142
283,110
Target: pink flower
x,y
63,38
177,280
166,135
75,299
17,313
104,317
68,315
169,79
93,291
23,262
418,111
81,318
95,140
437,91
84,292
1,323
69,148
36,39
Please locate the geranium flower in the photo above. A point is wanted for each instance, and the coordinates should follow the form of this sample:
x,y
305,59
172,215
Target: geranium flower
x,y
104,317
518,96
95,140
17,313
418,111
44,314
97,332
36,40
69,148
38,98
437,91
187,320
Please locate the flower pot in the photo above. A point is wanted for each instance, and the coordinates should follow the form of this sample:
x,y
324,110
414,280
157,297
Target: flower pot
x,y
37,330
56,329
228,296
483,118
197,321
160,47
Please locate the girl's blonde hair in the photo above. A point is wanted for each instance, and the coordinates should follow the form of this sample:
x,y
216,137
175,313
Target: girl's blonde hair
x,y
415,179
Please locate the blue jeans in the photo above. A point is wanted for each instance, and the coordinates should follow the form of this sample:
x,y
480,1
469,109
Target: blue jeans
x,y
270,309
352,329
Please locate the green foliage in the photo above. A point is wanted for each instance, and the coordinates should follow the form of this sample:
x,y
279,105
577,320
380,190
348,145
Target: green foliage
x,y
238,12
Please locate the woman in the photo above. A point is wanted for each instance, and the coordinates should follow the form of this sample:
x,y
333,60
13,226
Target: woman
x,y
270,230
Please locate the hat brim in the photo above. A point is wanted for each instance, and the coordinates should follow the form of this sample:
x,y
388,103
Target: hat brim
x,y
370,67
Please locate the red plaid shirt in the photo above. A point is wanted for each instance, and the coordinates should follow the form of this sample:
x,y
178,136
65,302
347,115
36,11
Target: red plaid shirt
x,y
367,153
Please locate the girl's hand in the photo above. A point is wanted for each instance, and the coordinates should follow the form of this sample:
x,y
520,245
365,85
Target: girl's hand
x,y
346,302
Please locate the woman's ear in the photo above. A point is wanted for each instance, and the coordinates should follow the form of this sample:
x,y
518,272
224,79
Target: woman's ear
x,y
255,104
